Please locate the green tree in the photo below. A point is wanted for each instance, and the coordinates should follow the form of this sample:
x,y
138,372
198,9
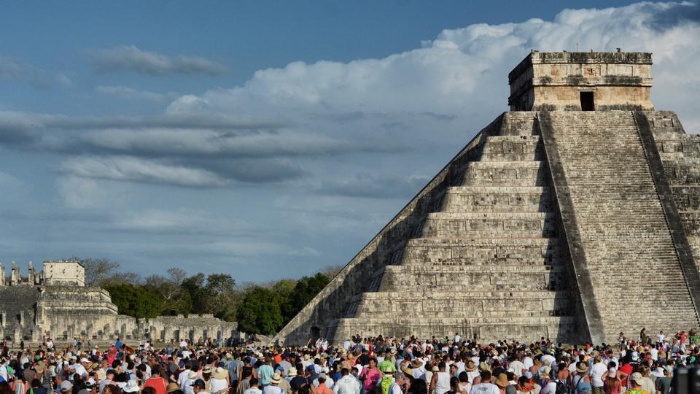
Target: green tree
x,y
194,286
283,287
221,296
259,312
133,300
305,290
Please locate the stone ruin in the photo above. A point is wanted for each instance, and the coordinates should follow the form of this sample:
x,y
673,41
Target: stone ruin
x,y
59,272
56,303
574,216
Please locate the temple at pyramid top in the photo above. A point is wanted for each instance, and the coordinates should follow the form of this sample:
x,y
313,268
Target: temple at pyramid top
x,y
581,81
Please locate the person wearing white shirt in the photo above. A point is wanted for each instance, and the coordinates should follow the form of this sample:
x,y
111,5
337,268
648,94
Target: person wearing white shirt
x,y
419,371
184,375
654,353
347,384
485,387
80,367
597,371
517,366
187,382
551,359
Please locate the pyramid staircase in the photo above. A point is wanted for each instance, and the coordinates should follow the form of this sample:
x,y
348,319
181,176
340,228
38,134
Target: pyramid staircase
x,y
621,232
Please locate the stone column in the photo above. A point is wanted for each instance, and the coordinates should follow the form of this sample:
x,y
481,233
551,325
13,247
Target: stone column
x,y
15,277
3,319
2,275
30,275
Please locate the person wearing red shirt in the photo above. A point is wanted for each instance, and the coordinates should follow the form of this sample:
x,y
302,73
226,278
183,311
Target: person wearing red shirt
x,y
623,372
155,381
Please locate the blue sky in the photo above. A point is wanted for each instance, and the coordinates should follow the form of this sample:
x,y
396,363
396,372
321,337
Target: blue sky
x,y
269,139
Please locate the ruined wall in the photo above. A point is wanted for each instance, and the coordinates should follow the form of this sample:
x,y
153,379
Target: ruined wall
x,y
193,327
18,311
67,312
63,273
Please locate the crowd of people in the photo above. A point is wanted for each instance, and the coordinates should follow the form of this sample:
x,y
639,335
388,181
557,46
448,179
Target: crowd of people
x,y
377,365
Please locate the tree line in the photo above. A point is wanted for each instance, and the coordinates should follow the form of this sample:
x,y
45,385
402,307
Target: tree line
x,y
258,308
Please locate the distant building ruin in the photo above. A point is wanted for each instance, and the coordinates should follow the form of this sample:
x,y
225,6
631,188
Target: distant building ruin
x,y
56,303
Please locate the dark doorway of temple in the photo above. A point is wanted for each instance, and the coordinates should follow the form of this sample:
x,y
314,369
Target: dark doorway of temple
x,y
315,333
587,101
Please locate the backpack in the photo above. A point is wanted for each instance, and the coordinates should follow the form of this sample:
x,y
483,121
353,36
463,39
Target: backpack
x,y
561,388
385,384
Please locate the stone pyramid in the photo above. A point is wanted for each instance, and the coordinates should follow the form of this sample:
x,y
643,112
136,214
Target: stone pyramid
x,y
575,216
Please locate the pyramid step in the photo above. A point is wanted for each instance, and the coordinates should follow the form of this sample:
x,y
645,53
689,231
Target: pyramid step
x,y
397,277
497,199
482,252
487,262
403,320
485,329
487,296
508,216
503,173
443,308
485,242
470,269
461,224
512,148
519,124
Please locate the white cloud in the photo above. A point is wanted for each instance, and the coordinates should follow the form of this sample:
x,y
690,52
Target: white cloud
x,y
173,143
464,71
130,169
129,58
